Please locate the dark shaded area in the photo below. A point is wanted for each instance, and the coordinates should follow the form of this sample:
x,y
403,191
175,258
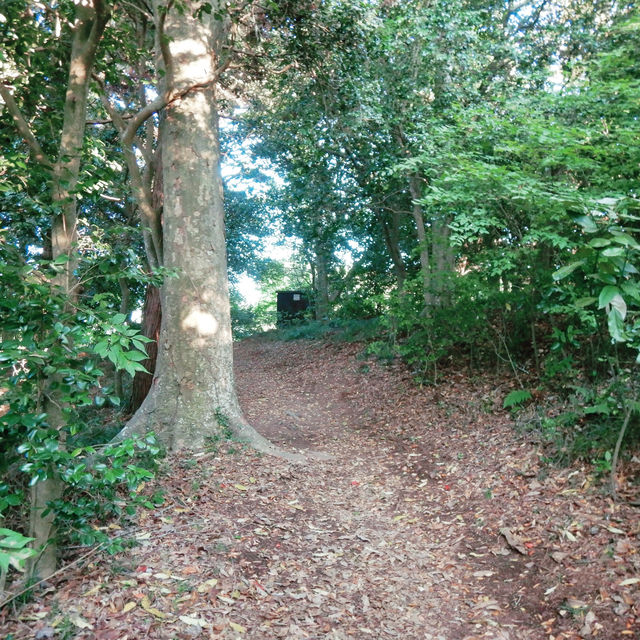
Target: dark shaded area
x,y
291,306
151,320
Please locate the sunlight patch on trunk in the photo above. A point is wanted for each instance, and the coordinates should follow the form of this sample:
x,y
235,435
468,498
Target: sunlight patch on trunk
x,y
202,321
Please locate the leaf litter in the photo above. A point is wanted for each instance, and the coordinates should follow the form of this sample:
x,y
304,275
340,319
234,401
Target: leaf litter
x,y
433,519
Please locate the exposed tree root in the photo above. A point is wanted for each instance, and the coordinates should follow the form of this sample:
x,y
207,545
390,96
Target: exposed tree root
x,y
147,419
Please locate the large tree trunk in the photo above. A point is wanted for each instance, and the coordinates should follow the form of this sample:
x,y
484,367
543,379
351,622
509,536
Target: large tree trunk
x,y
193,384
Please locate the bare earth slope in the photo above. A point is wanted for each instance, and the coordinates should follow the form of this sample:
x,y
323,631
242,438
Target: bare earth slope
x,y
433,519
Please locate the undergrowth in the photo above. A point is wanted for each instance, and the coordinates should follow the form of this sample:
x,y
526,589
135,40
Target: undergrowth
x,y
336,330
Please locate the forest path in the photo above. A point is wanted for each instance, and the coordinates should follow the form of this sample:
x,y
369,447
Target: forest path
x,y
398,535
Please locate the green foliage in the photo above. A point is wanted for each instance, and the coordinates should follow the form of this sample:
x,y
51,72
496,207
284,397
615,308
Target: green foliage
x,y
512,136
102,484
608,259
516,397
490,326
338,330
53,347
224,435
14,550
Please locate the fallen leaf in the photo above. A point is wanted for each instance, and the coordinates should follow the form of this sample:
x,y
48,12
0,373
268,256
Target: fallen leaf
x,y
490,605
514,541
129,606
207,585
80,622
191,569
194,622
587,627
624,545
629,581
145,603
237,627
575,604
92,591
615,530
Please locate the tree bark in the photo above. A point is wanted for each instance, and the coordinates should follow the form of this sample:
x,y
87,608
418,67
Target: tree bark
x,y
193,382
125,297
152,311
390,232
321,283
425,262
151,319
90,22
443,261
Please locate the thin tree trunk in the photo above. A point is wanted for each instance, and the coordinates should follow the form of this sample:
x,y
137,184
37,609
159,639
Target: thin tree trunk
x,y
125,295
443,260
321,284
151,319
87,32
391,235
425,262
152,311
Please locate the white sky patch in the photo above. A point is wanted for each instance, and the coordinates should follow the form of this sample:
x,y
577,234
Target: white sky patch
x,y
556,77
275,249
346,257
278,250
249,290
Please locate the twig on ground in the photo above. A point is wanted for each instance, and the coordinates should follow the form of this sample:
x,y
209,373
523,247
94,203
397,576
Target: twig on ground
x,y
56,573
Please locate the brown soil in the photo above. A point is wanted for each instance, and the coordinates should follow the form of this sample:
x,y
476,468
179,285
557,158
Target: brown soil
x,y
434,519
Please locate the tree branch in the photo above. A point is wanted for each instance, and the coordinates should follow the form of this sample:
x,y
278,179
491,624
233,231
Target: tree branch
x,y
108,121
152,233
163,43
23,127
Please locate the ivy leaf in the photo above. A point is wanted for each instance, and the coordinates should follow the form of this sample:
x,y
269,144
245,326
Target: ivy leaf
x,y
618,303
598,243
581,303
614,252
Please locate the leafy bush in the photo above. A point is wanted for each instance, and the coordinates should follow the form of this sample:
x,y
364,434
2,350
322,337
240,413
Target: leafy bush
x,y
50,362
476,324
599,291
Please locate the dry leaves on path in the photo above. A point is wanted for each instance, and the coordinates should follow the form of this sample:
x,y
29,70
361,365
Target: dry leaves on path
x,y
432,520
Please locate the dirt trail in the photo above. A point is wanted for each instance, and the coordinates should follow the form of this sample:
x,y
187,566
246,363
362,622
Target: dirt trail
x,y
432,520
